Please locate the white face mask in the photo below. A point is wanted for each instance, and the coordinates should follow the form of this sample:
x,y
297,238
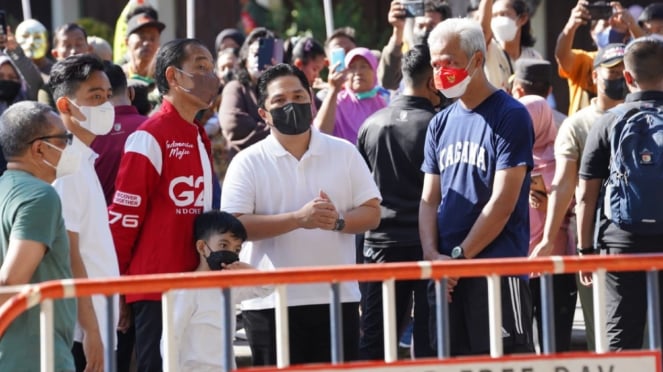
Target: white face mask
x,y
98,119
69,163
504,28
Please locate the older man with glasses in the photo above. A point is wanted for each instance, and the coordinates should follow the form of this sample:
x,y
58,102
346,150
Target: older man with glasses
x,y
36,145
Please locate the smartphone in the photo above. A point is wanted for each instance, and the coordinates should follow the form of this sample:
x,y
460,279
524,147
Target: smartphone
x,y
413,8
270,52
537,184
338,56
3,22
599,10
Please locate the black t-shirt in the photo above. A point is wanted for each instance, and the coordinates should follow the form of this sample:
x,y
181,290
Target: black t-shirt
x,y
392,143
596,164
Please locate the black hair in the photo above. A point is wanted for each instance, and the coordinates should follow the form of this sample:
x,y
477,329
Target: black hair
x,y
67,27
217,222
173,53
521,8
67,75
306,49
141,101
280,70
346,32
242,71
117,78
20,124
415,65
143,9
438,6
537,88
642,58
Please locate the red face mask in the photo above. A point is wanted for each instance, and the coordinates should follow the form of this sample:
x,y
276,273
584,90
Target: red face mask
x,y
452,82
447,77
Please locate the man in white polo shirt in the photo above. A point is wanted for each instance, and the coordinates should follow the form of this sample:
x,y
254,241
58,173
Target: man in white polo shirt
x,y
81,91
302,195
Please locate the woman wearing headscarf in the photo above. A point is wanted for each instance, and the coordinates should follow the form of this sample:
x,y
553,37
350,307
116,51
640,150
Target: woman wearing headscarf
x,y
564,285
12,90
352,103
12,87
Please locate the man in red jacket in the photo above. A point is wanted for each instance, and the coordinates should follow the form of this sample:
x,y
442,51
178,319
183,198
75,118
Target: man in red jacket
x,y
164,182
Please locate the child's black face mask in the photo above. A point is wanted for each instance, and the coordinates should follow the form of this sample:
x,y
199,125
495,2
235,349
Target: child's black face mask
x,y
215,259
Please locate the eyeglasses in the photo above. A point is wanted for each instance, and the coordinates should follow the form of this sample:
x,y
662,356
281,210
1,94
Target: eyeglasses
x,y
67,137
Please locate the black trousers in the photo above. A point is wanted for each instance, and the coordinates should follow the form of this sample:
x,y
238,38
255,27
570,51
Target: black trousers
x,y
371,342
626,302
309,334
565,295
468,317
147,320
125,348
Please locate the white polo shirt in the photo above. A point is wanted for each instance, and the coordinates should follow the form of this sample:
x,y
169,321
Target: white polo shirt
x,y
85,212
265,179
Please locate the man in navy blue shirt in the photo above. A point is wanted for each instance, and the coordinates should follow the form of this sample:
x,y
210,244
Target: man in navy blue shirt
x,y
477,158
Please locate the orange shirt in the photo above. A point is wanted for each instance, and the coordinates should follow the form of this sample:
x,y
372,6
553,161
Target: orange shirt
x,y
579,78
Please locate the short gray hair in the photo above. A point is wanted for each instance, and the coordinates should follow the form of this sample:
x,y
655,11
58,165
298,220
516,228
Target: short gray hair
x,y
21,123
468,31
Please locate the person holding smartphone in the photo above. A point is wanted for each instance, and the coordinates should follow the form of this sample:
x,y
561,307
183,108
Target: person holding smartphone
x,y
576,65
241,124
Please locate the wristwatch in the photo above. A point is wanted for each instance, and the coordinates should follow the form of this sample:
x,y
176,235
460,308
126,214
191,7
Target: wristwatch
x,y
340,224
458,253
584,251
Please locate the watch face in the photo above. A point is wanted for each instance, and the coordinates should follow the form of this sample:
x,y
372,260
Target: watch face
x,y
457,252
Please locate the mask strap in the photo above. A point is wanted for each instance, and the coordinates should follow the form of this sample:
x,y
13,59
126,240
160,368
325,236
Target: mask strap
x,y
210,249
52,146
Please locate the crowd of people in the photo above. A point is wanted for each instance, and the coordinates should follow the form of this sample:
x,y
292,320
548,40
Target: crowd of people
x,y
442,146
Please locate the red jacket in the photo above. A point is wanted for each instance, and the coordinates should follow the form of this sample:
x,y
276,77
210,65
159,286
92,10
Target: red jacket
x,y
160,189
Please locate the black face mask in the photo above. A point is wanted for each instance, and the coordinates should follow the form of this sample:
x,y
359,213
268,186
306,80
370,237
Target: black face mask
x,y
215,259
9,90
293,118
615,89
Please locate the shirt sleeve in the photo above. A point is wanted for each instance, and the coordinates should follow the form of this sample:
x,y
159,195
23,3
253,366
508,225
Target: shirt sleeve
x,y
240,294
73,197
596,155
239,189
240,126
580,72
566,142
138,176
514,140
431,159
363,184
33,222
389,67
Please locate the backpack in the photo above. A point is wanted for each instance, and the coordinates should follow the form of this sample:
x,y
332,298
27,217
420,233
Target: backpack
x,y
634,189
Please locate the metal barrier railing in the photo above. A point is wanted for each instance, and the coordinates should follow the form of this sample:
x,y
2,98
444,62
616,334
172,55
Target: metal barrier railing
x,y
492,269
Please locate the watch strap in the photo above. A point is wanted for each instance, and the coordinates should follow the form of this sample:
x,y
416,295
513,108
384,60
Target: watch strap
x,y
587,250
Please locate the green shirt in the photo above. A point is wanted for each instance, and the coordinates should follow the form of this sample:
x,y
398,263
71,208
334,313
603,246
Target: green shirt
x,y
30,209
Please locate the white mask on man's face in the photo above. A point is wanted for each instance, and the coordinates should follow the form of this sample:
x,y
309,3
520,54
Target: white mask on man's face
x,y
69,163
98,119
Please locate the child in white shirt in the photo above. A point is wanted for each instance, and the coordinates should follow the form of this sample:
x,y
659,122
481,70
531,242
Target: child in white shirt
x,y
198,327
